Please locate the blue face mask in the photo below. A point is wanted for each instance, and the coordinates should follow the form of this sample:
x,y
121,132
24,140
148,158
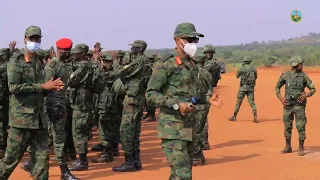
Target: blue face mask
x,y
33,46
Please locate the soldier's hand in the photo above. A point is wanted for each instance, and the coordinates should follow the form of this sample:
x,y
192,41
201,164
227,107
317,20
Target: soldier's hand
x,y
53,84
215,100
52,53
186,108
283,101
303,97
12,46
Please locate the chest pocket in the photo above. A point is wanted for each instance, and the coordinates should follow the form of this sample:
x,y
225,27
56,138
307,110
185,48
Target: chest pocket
x,y
28,73
179,76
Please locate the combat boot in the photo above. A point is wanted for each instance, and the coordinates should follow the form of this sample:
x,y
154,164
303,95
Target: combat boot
x,y
255,118
288,148
301,148
127,166
105,157
137,161
80,164
233,118
27,166
116,151
97,147
199,159
66,174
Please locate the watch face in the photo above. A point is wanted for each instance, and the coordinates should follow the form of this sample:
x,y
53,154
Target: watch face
x,y
176,106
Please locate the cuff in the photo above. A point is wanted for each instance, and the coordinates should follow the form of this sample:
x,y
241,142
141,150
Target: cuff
x,y
170,102
38,87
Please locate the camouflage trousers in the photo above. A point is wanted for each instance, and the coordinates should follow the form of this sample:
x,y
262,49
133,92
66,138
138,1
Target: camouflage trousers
x,y
300,116
18,140
4,120
106,129
179,155
80,129
69,145
59,139
205,133
250,96
201,118
130,128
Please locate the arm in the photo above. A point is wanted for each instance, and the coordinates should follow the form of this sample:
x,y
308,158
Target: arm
x,y
238,73
256,73
280,83
15,78
49,71
310,86
156,83
77,76
210,90
128,70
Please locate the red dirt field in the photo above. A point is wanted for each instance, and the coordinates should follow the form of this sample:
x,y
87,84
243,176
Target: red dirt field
x,y
240,150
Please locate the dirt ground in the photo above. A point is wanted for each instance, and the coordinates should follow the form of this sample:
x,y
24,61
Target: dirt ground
x,y
240,150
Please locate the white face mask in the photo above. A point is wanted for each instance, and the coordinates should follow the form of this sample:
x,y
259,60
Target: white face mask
x,y
189,48
33,46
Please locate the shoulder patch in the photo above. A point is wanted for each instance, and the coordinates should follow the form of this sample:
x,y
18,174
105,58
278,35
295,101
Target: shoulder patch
x,y
166,57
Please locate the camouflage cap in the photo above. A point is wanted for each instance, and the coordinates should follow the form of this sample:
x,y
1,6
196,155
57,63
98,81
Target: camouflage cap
x,y
46,52
107,57
90,52
186,30
208,48
120,53
247,59
138,43
4,51
33,30
295,60
80,48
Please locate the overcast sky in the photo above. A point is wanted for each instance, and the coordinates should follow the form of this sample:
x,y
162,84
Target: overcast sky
x,y
116,23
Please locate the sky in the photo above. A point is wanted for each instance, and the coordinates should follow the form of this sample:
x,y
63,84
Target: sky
x,y
117,23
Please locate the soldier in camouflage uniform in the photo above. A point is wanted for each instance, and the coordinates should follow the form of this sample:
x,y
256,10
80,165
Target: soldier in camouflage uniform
x,y
171,88
107,105
248,75
26,118
4,99
204,87
133,77
82,95
295,101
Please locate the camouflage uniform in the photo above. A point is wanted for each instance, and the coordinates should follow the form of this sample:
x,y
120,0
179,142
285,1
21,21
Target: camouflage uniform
x,y
248,75
82,95
295,82
26,117
172,82
130,129
212,64
4,99
108,112
204,87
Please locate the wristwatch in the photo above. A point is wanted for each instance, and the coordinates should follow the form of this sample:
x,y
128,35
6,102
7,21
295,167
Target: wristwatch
x,y
176,107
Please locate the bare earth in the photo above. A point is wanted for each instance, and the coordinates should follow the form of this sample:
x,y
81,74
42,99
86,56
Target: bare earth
x,y
240,150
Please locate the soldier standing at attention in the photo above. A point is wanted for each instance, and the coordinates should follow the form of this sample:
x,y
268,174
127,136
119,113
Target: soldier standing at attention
x,y
248,75
295,101
26,118
132,75
171,88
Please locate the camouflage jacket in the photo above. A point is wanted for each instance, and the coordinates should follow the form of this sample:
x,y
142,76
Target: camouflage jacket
x,y
295,83
173,80
80,82
214,69
132,75
241,74
205,87
57,69
25,77
4,90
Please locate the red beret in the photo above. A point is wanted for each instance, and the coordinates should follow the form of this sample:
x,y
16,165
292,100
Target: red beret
x,y
64,43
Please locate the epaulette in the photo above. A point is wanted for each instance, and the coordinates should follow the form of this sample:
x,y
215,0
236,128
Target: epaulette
x,y
166,57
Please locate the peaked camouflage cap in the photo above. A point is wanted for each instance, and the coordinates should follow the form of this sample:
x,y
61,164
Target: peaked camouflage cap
x,y
32,31
107,56
247,59
208,48
79,48
40,52
139,43
295,60
120,53
4,51
186,30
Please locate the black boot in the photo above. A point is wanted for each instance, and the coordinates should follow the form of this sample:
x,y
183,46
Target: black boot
x,y
116,150
199,159
97,147
255,118
301,148
288,148
137,161
66,174
80,164
127,166
233,118
105,157
27,166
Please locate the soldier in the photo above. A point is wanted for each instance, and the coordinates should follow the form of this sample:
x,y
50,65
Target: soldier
x,y
130,129
25,81
211,64
82,96
248,75
295,101
89,55
4,99
171,88
107,105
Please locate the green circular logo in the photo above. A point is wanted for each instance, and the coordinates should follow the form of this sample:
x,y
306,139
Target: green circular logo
x,y
296,16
